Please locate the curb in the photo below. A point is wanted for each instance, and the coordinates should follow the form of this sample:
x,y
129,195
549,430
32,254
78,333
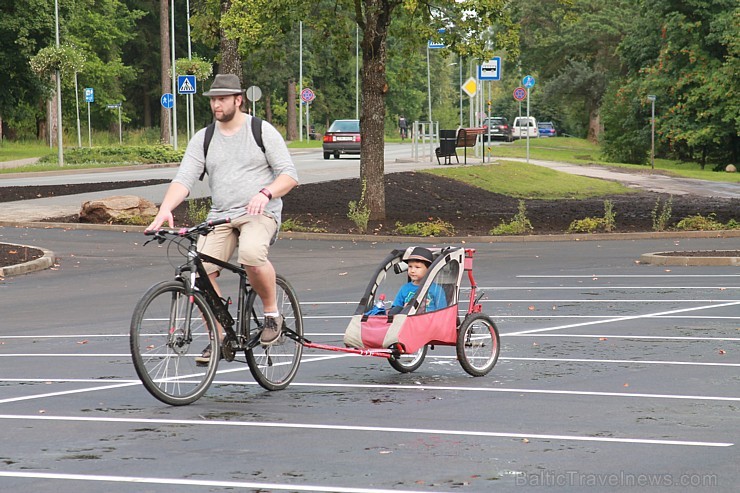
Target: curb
x,y
665,258
649,235
41,263
49,258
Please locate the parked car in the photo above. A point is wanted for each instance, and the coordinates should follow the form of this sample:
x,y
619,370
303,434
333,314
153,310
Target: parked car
x,y
546,129
342,137
524,125
499,129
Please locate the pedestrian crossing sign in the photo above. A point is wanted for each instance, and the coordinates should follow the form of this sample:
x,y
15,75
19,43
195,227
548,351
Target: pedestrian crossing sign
x,y
186,84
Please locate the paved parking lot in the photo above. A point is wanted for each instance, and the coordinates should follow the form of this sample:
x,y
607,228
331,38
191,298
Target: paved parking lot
x,y
613,376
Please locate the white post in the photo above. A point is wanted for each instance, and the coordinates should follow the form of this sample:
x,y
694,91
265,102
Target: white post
x,y
89,128
429,85
189,97
528,91
120,125
60,152
300,81
77,104
174,78
357,73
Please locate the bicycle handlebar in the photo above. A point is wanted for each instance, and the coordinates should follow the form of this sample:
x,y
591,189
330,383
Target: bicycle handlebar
x,y
199,229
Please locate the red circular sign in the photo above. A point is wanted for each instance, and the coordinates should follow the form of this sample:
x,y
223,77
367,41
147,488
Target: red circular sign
x,y
520,94
307,95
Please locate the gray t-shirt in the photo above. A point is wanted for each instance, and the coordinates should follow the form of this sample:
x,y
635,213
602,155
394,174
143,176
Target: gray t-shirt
x,y
237,168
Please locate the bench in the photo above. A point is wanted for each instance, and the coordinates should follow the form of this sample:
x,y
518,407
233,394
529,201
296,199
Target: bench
x,y
449,142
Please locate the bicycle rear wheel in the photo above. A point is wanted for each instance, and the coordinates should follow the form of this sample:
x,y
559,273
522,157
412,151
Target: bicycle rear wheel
x,y
163,348
275,366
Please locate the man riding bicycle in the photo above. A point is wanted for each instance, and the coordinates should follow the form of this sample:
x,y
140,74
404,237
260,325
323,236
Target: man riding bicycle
x,y
246,184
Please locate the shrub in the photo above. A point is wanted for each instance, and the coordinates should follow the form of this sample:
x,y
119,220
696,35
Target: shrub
x,y
609,216
295,225
586,225
700,223
198,210
518,225
359,212
426,228
662,214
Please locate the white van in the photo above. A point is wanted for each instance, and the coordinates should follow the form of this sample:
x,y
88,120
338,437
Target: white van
x,y
524,125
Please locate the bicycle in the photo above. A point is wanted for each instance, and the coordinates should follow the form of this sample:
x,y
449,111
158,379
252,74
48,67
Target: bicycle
x,y
176,316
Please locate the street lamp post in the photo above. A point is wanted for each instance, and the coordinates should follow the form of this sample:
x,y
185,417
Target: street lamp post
x,y
60,151
651,98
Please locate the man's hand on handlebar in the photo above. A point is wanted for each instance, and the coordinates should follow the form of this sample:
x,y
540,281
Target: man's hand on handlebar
x,y
161,218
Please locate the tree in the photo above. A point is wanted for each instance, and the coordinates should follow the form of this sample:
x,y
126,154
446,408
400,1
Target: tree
x,y
263,21
686,53
573,48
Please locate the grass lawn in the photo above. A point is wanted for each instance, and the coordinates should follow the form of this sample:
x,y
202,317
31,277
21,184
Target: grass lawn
x,y
10,151
580,151
528,181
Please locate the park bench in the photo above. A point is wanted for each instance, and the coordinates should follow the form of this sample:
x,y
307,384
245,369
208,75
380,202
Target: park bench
x,y
449,142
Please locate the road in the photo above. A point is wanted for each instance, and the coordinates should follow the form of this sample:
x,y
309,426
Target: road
x,y
611,374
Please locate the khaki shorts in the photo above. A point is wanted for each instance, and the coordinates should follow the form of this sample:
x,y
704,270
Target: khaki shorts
x,y
253,234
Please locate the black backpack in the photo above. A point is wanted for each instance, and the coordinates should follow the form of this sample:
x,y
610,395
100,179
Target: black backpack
x,y
256,132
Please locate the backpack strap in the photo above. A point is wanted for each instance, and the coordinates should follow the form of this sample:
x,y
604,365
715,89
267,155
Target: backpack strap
x,y
206,143
256,133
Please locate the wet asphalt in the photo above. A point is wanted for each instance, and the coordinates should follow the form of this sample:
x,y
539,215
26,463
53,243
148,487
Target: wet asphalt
x,y
613,376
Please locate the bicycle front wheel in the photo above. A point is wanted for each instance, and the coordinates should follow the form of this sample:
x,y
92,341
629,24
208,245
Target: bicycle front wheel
x,y
275,366
168,331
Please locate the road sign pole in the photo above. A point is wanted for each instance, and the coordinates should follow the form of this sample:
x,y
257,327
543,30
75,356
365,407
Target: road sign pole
x,y
528,91
89,128
120,127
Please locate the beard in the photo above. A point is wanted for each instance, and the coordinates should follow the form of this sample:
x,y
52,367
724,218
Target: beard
x,y
226,116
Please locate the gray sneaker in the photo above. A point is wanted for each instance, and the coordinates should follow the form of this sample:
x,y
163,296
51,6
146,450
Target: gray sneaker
x,y
271,330
205,357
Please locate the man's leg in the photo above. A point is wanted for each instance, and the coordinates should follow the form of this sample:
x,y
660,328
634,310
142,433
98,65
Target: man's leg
x,y
262,279
255,236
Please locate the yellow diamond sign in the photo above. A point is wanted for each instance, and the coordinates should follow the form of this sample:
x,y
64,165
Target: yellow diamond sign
x,y
470,87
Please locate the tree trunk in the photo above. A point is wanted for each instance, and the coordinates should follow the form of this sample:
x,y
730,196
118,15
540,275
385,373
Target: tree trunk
x,y
231,63
374,90
594,124
146,103
53,116
291,125
164,48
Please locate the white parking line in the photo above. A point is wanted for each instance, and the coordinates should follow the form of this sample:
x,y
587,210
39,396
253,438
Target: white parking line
x,y
373,429
393,387
621,276
195,482
629,317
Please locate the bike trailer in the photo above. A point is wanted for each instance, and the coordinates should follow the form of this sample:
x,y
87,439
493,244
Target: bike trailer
x,y
414,326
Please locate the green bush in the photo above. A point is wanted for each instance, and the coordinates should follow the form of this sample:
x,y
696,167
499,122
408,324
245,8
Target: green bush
x,y
359,212
586,225
198,210
295,225
426,228
662,214
518,225
701,223
118,155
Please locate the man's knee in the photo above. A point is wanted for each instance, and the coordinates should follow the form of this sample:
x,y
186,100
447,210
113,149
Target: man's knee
x,y
253,255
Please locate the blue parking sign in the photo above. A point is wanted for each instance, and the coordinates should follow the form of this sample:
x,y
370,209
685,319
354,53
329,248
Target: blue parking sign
x,y
89,95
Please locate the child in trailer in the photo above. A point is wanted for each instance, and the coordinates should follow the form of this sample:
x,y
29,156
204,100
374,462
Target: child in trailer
x,y
418,263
